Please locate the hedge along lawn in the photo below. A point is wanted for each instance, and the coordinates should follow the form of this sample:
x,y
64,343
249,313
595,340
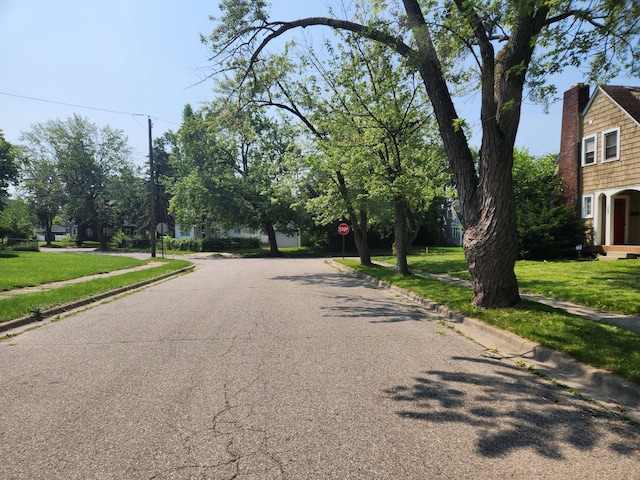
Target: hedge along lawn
x,y
28,269
599,345
24,304
612,285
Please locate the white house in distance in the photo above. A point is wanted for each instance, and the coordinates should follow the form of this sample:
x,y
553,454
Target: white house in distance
x,y
452,229
284,241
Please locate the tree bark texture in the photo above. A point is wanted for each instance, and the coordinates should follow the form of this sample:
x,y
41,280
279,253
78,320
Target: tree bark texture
x,y
361,237
401,236
486,195
359,221
271,234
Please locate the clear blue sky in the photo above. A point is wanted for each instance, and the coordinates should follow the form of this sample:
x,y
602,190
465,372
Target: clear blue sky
x,y
143,57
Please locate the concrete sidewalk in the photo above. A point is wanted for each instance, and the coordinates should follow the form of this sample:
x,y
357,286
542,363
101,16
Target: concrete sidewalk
x,y
12,326
629,322
45,287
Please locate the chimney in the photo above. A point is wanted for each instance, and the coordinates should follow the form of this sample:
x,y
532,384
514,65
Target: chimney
x,y
575,100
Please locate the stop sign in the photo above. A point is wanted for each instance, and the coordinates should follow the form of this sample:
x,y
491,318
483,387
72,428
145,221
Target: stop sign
x,y
343,229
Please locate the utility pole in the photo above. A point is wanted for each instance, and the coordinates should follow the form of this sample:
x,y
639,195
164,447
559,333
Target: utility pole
x,y
152,195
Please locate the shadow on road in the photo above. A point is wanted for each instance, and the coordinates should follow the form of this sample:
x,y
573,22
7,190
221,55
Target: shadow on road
x,y
356,306
376,311
338,280
512,411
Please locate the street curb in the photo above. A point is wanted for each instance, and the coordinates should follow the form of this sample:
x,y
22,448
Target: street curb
x,y
611,391
44,314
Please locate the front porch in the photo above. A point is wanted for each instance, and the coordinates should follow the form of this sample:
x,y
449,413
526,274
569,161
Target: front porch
x,y
616,223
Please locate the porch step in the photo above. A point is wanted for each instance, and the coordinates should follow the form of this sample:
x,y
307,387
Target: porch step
x,y
617,256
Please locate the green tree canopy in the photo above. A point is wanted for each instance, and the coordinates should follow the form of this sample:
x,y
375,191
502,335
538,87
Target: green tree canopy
x,y
43,190
233,168
503,49
8,168
86,160
16,220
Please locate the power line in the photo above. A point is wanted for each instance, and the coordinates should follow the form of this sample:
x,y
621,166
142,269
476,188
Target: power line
x,y
86,107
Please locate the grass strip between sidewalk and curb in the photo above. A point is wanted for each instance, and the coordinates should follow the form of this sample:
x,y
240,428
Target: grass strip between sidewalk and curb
x,y
31,306
596,344
28,269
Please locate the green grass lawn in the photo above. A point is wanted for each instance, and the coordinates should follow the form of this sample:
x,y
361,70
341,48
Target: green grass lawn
x,y
611,285
19,269
27,269
600,345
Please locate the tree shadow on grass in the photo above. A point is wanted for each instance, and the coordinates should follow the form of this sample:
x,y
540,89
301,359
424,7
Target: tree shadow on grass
x,y
511,410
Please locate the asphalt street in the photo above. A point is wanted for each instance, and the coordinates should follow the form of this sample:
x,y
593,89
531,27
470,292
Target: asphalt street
x,y
285,369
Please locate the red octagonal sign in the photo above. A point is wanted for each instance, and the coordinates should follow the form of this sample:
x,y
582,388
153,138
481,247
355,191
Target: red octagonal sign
x,y
343,229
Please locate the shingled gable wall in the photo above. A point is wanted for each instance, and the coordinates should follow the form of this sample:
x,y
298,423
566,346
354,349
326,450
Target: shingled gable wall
x,y
574,102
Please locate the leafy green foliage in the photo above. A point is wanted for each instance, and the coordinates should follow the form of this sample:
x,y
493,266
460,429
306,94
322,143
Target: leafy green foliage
x,y
8,168
545,230
44,191
210,244
16,220
85,160
235,167
500,48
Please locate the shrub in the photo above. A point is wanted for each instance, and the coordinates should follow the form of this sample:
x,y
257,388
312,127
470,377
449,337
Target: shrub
x,y
550,233
183,244
213,244
137,242
19,244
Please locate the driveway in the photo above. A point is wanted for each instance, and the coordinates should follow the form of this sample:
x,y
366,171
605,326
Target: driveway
x,y
285,369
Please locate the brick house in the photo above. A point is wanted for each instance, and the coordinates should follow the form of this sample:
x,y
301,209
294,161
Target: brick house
x,y
599,163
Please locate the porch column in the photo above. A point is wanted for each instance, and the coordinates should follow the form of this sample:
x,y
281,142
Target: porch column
x,y
598,237
608,232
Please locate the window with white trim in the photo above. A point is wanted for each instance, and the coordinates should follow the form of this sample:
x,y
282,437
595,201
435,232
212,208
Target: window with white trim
x,y
611,145
587,206
589,150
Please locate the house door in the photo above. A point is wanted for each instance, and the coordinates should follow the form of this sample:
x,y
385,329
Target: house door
x,y
619,220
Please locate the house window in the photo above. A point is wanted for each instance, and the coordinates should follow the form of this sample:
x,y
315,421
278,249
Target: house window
x,y
611,145
589,150
587,206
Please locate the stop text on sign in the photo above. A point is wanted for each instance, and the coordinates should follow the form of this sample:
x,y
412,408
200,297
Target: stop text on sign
x,y
343,229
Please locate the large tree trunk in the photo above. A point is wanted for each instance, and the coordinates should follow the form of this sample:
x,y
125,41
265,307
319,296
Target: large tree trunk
x,y
361,236
80,234
271,234
486,196
400,236
490,243
48,226
359,222
101,237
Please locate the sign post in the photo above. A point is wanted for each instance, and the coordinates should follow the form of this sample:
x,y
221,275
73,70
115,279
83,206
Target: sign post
x,y
343,229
